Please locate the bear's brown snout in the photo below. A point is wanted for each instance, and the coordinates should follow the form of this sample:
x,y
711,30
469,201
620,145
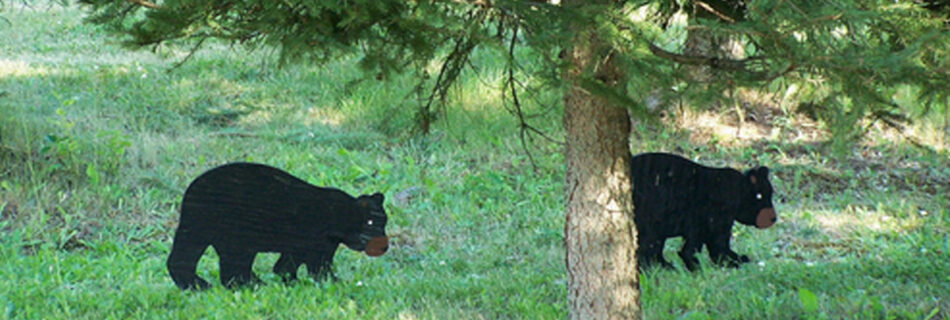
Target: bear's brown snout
x,y
377,246
766,218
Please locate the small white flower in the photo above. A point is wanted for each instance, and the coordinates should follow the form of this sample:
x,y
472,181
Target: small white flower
x,y
359,283
441,262
761,263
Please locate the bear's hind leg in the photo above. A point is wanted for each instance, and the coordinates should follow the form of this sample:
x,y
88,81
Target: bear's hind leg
x,y
182,263
688,253
287,265
236,267
650,253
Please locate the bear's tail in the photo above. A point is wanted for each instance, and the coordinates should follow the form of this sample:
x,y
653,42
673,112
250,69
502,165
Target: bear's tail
x,y
183,261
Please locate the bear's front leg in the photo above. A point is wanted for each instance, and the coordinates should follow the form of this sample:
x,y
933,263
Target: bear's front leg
x,y
720,251
320,265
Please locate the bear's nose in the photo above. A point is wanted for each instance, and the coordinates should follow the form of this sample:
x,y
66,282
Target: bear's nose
x,y
377,246
766,218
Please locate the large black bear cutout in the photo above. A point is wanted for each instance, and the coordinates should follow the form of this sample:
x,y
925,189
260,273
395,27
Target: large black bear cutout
x,y
241,209
676,197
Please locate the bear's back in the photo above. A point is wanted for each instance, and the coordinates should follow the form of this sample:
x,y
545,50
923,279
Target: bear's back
x,y
259,201
672,174
671,191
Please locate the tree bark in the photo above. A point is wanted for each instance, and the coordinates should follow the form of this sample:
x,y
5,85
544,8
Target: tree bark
x,y
599,232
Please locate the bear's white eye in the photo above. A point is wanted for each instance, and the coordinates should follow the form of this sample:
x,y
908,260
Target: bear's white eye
x,y
758,196
370,222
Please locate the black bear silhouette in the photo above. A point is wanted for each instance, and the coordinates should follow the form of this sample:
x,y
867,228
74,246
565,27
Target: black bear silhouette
x,y
242,209
674,197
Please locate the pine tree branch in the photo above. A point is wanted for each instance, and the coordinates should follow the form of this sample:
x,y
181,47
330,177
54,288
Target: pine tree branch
x,y
145,3
511,84
721,63
191,53
712,10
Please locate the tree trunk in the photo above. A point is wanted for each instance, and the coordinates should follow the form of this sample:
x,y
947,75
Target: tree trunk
x,y
599,232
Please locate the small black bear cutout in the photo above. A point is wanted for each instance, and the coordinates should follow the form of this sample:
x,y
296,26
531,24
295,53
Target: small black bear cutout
x,y
673,197
241,209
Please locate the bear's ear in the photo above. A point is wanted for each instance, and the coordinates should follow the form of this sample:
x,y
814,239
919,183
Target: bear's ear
x,y
760,171
378,198
750,174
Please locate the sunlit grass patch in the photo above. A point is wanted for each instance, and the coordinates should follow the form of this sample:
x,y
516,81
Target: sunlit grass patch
x,y
15,68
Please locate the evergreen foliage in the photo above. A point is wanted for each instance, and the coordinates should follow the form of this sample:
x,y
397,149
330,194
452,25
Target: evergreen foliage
x,y
850,57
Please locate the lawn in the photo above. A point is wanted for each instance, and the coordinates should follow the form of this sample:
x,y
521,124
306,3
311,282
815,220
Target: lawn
x,y
98,143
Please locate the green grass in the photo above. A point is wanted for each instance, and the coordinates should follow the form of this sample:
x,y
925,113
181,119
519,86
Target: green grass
x,y
98,143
